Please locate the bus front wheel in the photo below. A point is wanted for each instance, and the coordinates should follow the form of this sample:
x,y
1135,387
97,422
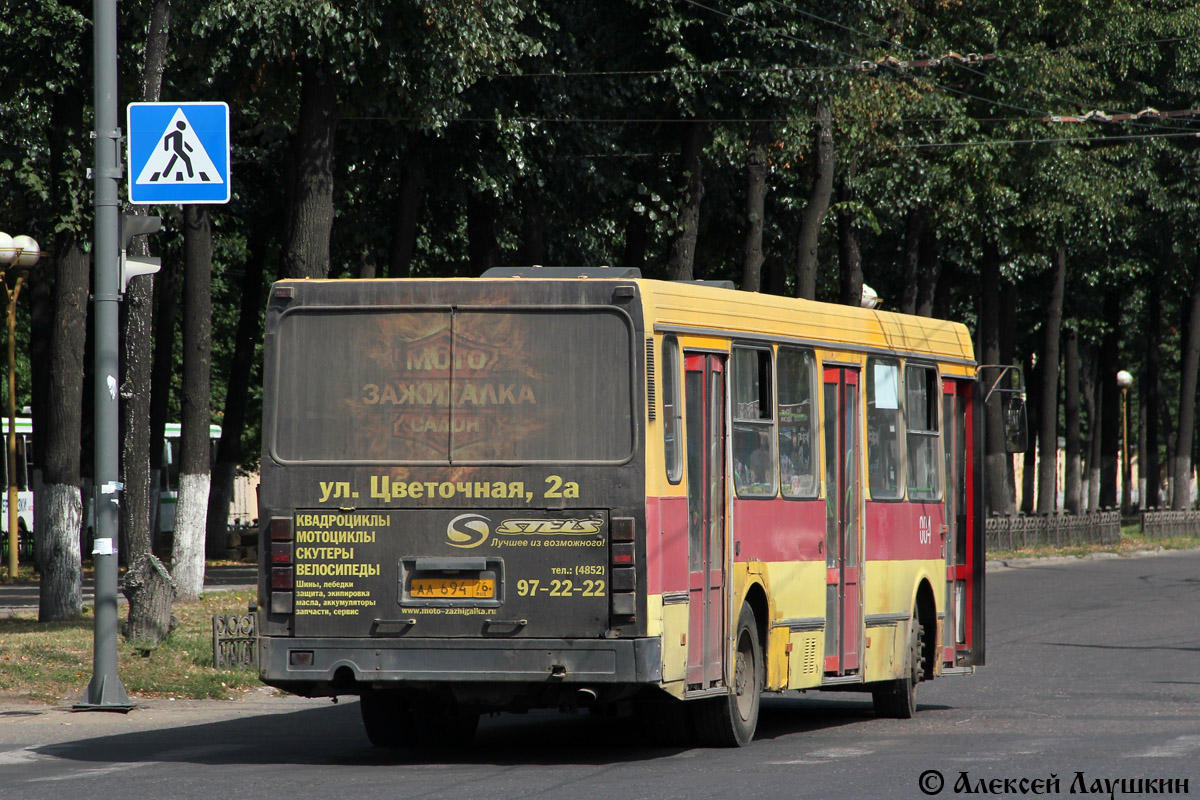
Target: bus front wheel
x,y
729,721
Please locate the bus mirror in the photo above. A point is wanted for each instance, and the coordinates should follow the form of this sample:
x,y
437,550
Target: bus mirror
x,y
1016,430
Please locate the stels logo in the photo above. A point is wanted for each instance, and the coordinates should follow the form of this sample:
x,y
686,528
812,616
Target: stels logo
x,y
468,530
471,530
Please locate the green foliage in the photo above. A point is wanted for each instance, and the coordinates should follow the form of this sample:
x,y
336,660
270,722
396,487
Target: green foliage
x,y
565,118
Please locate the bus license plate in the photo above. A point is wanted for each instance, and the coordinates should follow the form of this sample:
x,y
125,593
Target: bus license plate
x,y
435,588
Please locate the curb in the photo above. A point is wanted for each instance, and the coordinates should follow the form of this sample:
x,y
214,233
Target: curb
x,y
1017,563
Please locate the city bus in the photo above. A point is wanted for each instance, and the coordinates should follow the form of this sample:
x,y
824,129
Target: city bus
x,y
168,494
22,428
575,487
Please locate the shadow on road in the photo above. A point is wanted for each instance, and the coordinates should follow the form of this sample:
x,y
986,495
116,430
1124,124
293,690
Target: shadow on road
x,y
333,735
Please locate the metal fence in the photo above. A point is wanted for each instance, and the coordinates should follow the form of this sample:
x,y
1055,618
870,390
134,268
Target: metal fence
x,y
235,641
1058,530
1162,524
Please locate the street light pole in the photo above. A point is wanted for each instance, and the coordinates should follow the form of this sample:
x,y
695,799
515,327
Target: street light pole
x,y
17,254
1125,380
105,692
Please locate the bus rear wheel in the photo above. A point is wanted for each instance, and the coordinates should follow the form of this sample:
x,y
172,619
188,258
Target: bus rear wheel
x,y
730,721
898,698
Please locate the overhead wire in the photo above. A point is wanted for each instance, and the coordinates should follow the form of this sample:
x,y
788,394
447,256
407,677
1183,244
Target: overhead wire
x,y
958,61
964,63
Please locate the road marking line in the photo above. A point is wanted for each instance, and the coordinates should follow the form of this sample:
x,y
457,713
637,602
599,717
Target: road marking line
x,y
1179,746
92,773
840,752
24,755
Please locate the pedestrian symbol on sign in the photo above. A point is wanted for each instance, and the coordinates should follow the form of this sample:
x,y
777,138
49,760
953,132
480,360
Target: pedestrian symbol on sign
x,y
179,158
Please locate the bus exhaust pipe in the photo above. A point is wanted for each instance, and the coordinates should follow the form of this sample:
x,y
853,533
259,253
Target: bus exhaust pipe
x,y
585,696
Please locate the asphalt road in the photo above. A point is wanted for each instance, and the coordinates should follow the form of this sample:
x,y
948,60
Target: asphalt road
x,y
1093,676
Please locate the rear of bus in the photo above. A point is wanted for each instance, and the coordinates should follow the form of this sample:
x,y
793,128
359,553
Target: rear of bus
x,y
453,497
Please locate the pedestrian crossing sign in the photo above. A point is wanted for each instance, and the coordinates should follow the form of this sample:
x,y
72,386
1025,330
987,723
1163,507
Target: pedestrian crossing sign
x,y
178,152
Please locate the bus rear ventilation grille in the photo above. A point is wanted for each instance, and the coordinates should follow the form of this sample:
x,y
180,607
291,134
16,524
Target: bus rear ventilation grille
x,y
650,392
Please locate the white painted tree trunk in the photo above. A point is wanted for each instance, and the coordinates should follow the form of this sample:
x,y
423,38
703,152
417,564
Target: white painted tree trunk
x,y
61,593
187,553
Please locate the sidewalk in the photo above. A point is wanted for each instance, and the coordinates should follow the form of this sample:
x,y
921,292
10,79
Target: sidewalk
x,y
24,722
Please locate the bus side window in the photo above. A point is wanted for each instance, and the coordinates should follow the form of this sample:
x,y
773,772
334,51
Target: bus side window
x,y
754,460
924,454
672,410
883,429
797,418
22,465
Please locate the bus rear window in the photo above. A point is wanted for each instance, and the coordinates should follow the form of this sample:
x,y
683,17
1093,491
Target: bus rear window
x,y
438,385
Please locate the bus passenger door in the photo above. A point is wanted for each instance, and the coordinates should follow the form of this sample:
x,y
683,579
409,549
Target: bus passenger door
x,y
963,638
843,501
704,400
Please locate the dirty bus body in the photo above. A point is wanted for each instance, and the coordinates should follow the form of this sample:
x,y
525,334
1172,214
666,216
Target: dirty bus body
x,y
504,493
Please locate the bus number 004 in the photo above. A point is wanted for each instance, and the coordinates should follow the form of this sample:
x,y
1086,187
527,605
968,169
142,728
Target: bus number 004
x,y
560,588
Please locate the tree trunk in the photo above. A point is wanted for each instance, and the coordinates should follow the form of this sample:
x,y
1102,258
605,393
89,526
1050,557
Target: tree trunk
x,y
408,212
1048,439
996,463
849,257
1110,401
58,516
939,291
1149,466
187,560
931,284
681,259
482,249
533,229
58,550
637,239
1008,355
1072,499
756,195
167,286
310,206
1092,400
1188,366
815,209
233,421
775,277
914,227
1033,375
148,584
140,501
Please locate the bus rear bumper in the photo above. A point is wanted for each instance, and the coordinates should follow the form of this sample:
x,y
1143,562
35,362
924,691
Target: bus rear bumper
x,y
319,661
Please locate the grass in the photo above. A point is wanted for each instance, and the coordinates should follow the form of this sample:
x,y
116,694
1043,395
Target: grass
x,y
52,662
1131,542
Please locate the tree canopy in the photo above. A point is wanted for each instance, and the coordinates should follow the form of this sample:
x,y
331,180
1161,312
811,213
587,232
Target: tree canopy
x,y
440,137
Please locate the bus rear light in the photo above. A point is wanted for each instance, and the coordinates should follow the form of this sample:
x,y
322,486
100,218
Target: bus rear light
x,y
281,553
300,658
624,604
624,579
282,603
623,570
282,579
281,529
622,529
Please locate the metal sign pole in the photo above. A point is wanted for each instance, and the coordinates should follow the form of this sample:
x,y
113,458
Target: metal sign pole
x,y
105,692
